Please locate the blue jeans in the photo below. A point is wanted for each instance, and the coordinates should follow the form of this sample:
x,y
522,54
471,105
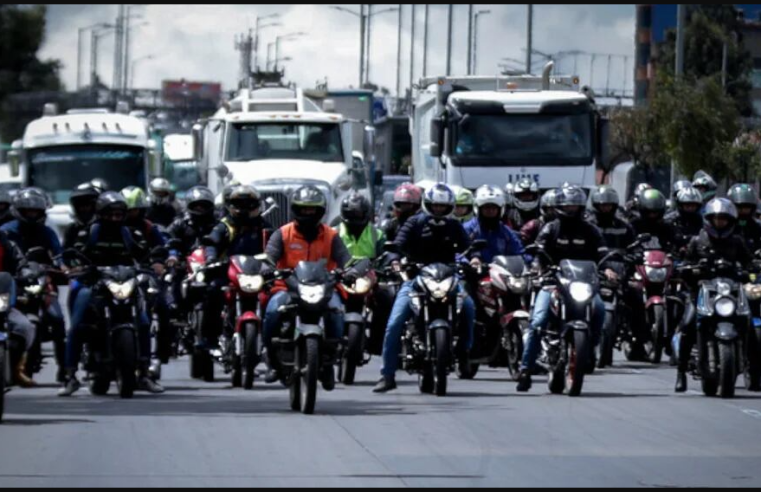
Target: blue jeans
x,y
81,306
334,325
401,313
540,318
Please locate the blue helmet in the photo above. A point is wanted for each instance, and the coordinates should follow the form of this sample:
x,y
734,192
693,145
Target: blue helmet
x,y
439,194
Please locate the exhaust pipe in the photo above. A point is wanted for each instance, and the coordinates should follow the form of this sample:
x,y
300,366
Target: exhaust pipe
x,y
546,75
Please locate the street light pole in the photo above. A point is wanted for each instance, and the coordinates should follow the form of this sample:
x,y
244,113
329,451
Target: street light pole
x,y
412,48
475,40
425,40
530,35
470,39
362,19
132,68
399,56
284,37
449,38
258,28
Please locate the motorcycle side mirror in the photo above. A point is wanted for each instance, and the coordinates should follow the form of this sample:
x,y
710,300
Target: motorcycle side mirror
x,y
390,247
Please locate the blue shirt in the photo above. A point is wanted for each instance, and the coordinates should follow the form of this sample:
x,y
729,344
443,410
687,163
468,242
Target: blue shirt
x,y
499,242
28,236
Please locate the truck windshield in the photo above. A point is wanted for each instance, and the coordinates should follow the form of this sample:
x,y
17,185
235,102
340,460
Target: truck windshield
x,y
308,141
524,139
58,170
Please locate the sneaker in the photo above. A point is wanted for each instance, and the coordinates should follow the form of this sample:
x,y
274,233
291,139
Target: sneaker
x,y
71,387
385,385
524,382
147,384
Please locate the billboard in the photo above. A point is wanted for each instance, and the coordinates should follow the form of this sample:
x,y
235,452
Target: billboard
x,y
181,92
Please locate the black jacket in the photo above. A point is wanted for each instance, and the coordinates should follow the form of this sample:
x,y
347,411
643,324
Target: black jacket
x,y
665,233
227,239
162,214
11,257
572,240
189,232
751,232
112,246
422,241
618,233
685,227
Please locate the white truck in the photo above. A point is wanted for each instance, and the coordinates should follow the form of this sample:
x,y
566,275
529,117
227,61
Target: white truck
x,y
60,151
277,140
474,130
180,168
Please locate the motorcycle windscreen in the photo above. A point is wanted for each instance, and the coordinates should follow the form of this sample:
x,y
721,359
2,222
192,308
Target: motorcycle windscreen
x,y
515,265
437,272
312,273
579,271
247,264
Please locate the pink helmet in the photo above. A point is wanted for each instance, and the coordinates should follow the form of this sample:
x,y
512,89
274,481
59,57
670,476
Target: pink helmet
x,y
408,193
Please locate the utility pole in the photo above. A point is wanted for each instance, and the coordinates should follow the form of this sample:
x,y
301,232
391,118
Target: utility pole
x,y
369,31
449,38
681,20
425,39
399,56
412,48
530,35
470,39
361,45
119,50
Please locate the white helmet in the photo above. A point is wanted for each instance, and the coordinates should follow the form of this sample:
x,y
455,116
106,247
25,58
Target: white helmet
x,y
490,195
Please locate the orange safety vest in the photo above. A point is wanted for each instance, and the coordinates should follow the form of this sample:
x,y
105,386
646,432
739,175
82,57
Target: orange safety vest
x,y
297,249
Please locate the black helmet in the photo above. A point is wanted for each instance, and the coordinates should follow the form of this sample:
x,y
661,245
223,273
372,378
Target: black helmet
x,y
244,203
652,201
720,207
307,198
30,206
605,195
227,191
84,195
200,202
356,210
5,204
110,203
570,196
742,194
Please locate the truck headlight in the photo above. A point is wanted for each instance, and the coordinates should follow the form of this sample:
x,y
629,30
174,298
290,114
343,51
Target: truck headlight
x,y
123,291
5,302
311,294
580,291
250,283
725,307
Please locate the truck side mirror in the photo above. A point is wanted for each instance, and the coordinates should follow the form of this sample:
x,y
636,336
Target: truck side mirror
x,y
357,160
155,167
437,130
14,158
197,133
369,144
603,146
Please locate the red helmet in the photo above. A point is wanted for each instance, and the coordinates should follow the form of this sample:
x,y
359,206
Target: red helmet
x,y
408,193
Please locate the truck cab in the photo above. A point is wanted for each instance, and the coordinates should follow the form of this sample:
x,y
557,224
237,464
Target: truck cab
x,y
470,131
259,139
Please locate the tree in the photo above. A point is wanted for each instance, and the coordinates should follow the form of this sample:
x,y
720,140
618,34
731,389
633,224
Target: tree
x,y
708,29
22,32
634,133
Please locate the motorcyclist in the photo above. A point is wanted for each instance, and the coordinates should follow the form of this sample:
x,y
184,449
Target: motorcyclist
x,y
197,222
525,204
568,237
305,239
487,225
675,189
717,240
464,203
29,231
744,198
531,230
359,234
6,214
427,238
83,199
109,243
631,208
162,210
686,220
706,185
618,233
652,209
407,201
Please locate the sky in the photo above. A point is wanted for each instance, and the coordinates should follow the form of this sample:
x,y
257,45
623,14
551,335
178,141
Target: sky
x,y
196,42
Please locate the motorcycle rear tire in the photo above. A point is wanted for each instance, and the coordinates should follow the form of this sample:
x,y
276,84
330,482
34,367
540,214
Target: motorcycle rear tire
x,y
353,353
125,360
443,362
728,369
579,357
310,374
250,354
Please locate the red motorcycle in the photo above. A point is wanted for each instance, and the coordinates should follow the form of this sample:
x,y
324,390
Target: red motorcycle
x,y
652,279
243,315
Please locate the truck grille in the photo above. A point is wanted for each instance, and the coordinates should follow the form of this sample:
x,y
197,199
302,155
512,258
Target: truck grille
x,y
280,216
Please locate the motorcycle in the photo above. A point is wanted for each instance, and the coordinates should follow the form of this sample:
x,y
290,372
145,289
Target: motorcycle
x,y
112,349
6,291
502,319
358,319
299,346
567,343
243,316
616,315
37,284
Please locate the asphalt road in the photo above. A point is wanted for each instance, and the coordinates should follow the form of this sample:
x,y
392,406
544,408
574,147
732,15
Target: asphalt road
x,y
628,429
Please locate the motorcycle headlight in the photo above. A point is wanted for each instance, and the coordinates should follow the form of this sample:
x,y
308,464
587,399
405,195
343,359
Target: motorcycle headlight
x,y
250,283
361,286
580,291
725,307
753,292
517,285
439,290
311,294
34,290
123,291
657,275
195,267
200,277
5,302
